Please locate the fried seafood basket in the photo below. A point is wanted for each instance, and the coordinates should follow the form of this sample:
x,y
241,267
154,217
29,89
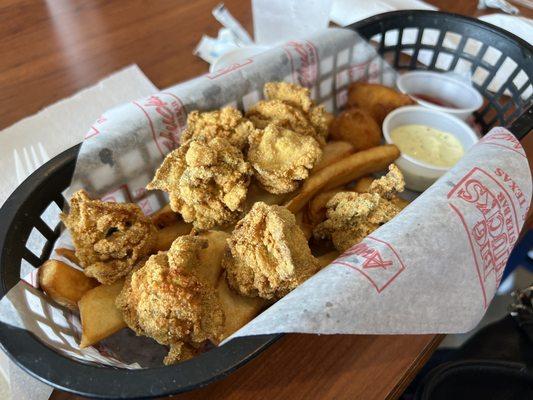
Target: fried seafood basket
x,y
402,40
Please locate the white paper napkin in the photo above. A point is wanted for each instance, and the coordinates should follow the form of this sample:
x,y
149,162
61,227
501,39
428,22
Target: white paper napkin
x,y
346,12
31,142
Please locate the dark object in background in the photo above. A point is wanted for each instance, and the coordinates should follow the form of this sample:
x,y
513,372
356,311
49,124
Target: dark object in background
x,y
495,364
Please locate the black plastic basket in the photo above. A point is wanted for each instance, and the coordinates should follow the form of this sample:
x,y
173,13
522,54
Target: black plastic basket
x,y
22,213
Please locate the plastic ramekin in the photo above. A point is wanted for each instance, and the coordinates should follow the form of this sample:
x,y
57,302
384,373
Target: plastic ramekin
x,y
419,175
444,87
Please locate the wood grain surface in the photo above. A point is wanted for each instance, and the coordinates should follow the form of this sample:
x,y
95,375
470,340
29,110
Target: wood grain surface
x,y
51,49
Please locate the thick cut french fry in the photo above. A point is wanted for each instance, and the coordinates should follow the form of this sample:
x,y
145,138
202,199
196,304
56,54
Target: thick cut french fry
x,y
166,235
69,254
211,257
316,211
164,217
238,310
326,259
257,193
333,152
100,317
304,225
363,184
399,202
346,170
64,284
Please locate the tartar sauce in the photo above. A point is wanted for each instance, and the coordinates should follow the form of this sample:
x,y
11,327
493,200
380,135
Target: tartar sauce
x,y
428,144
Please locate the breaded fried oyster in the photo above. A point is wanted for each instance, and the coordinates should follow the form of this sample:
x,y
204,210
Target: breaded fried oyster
x,y
227,123
353,216
291,107
268,254
109,238
282,158
169,300
206,179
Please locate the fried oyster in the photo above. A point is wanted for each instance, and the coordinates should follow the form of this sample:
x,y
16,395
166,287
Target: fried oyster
x,y
282,158
300,98
169,300
206,179
267,254
353,216
227,123
109,238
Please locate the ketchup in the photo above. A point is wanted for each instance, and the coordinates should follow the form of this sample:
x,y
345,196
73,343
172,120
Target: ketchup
x,y
434,100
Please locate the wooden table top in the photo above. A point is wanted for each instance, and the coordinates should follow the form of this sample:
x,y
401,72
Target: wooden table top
x,y
52,49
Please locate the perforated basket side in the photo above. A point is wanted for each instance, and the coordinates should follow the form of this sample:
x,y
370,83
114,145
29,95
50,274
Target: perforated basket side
x,y
438,41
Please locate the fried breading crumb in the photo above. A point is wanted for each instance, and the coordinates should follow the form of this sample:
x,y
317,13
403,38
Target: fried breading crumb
x,y
169,301
353,216
388,185
268,254
109,238
282,158
227,123
207,181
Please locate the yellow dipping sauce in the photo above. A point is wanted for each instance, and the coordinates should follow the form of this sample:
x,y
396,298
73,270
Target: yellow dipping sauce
x,y
428,144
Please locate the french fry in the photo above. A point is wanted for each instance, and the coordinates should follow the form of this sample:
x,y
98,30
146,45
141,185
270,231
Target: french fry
x,y
165,236
239,310
211,257
100,317
362,185
326,259
257,193
399,202
304,225
69,254
316,210
164,217
333,152
346,170
64,284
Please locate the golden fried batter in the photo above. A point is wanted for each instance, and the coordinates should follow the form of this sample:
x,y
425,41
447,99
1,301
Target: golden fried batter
x,y
268,254
207,181
110,238
388,185
321,120
281,158
168,300
353,216
300,97
282,114
296,96
291,107
227,122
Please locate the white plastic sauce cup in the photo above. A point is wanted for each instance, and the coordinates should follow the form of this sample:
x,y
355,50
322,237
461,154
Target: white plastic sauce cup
x,y
444,87
419,175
